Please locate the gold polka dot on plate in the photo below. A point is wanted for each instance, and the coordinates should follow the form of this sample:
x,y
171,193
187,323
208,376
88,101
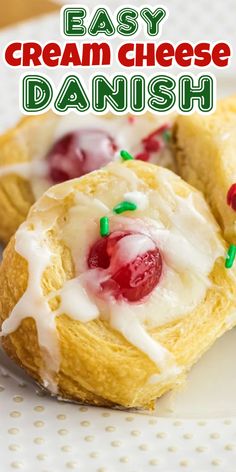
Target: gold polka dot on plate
x,y
17,465
110,429
41,457
143,447
15,414
39,408
201,448
83,408
71,465
14,447
18,398
153,462
39,424
152,421
62,432
116,443
94,455
85,423
13,431
39,440
22,385
66,448
61,417
129,418
229,447
187,436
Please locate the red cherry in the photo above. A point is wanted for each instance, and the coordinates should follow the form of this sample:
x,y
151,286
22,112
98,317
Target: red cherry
x,y
153,145
134,280
79,153
231,197
101,252
153,142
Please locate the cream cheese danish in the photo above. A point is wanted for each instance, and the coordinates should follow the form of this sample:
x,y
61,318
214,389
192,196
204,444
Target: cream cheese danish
x,y
115,285
49,149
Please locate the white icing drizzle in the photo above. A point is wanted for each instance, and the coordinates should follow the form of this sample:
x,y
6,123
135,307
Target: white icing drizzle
x,y
139,198
32,246
75,299
181,227
123,319
25,169
36,171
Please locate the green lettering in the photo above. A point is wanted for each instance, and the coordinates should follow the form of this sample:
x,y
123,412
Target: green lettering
x,y
72,95
105,93
153,19
137,93
101,23
161,90
73,24
127,21
37,93
203,93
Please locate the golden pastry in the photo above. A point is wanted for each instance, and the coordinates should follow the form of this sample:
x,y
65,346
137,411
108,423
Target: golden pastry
x,y
115,285
49,149
206,157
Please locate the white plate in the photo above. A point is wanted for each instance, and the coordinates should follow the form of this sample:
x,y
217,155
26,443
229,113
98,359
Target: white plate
x,y
196,428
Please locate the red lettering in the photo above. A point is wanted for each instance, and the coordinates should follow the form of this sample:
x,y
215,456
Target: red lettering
x,y
184,54
70,55
31,54
10,54
145,56
164,54
220,54
203,55
96,54
124,50
51,54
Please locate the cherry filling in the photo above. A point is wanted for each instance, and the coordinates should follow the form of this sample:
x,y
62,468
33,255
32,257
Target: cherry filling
x,y
134,280
154,142
79,153
231,197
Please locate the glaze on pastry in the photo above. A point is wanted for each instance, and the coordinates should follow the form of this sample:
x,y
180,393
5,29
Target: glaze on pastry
x,y
49,149
206,157
116,319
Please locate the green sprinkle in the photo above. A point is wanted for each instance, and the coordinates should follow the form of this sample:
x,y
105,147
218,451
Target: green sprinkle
x,y
104,226
126,156
124,206
230,256
167,135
